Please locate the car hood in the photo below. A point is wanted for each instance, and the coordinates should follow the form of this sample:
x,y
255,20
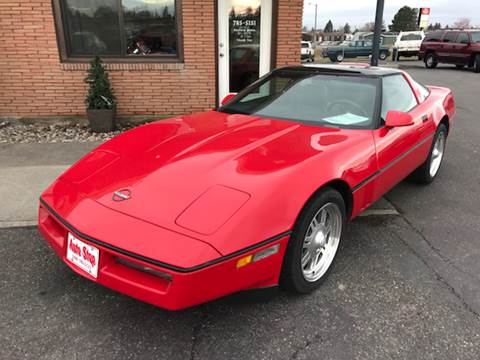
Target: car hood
x,y
192,174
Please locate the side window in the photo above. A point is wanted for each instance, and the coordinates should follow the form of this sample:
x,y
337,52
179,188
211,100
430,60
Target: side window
x,y
396,95
462,38
449,37
434,36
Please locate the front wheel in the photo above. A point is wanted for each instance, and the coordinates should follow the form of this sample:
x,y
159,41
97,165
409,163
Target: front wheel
x,y
428,171
314,242
339,57
383,56
431,61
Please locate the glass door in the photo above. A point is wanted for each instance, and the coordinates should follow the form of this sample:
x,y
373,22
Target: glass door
x,y
244,41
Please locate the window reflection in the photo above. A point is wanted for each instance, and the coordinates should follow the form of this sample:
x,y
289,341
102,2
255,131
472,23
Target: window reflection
x,y
120,27
92,27
244,23
150,27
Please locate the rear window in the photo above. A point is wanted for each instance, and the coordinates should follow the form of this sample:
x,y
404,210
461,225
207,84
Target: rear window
x,y
411,37
449,37
304,45
434,36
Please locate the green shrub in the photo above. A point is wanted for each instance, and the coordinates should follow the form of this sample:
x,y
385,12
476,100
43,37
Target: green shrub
x,y
100,93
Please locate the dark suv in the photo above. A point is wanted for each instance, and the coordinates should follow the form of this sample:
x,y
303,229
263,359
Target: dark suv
x,y
458,47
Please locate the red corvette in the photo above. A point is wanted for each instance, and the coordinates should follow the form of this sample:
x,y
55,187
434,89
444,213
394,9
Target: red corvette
x,y
253,194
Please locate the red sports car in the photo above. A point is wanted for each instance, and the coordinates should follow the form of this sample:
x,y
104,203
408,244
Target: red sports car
x,y
253,194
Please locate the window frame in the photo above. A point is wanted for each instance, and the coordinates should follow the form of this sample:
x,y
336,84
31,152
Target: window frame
x,y
63,45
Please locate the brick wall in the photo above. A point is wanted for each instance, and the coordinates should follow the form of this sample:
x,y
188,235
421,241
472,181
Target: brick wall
x,y
289,32
33,82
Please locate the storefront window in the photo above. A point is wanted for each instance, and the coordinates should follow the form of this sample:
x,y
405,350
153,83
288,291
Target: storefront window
x,y
119,28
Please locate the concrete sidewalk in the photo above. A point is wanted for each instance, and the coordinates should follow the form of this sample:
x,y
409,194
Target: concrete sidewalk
x,y
26,170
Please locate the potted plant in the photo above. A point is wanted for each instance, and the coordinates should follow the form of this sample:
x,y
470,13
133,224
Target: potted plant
x,y
100,101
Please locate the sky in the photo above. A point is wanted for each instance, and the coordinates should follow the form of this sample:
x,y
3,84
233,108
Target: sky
x,y
358,12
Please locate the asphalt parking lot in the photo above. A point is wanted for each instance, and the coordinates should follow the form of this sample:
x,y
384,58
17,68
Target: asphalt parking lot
x,y
404,286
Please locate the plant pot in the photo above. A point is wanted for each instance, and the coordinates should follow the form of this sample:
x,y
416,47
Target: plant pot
x,y
101,120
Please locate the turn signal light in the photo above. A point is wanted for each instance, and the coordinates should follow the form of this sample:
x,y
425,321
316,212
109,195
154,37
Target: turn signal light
x,y
258,256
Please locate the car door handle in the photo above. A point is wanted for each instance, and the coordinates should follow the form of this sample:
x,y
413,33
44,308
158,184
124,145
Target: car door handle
x,y
425,118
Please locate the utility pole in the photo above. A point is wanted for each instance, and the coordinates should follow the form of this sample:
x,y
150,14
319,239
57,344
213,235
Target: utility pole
x,y
377,32
315,26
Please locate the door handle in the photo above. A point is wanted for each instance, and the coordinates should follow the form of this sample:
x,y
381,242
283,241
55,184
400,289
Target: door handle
x,y
425,118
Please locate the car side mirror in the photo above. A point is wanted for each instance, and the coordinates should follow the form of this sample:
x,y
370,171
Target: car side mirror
x,y
398,118
227,98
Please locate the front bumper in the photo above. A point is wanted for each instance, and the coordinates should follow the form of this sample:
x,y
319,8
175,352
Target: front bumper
x,y
168,287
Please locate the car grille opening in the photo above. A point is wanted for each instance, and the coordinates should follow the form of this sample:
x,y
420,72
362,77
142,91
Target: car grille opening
x,y
143,268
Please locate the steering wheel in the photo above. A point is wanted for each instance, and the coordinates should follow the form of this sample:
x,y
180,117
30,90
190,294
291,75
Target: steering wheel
x,y
342,105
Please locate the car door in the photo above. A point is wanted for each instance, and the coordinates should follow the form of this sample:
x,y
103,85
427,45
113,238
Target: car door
x,y
400,150
447,46
460,54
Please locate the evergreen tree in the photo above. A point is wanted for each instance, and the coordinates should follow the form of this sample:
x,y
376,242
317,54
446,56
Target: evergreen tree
x,y
347,29
100,93
404,20
328,27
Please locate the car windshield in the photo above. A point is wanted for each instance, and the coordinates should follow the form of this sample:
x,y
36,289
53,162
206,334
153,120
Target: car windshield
x,y
336,100
476,37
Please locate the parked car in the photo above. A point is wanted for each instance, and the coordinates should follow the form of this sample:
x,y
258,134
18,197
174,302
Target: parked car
x,y
353,50
254,194
307,51
458,47
408,43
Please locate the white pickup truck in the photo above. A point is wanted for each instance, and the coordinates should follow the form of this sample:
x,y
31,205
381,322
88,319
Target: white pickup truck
x,y
408,43
307,51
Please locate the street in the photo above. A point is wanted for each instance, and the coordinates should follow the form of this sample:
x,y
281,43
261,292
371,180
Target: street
x,y
404,286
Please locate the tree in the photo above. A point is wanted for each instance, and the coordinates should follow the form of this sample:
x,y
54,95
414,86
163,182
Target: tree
x,y
369,26
347,29
404,20
328,27
462,23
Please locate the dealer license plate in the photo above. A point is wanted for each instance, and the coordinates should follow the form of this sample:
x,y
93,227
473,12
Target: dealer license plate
x,y
84,256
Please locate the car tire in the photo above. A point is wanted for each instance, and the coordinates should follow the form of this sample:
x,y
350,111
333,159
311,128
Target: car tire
x,y
339,57
476,64
428,171
383,56
311,250
312,59
431,61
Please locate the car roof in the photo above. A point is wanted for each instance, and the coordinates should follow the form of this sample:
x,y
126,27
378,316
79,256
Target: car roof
x,y
346,68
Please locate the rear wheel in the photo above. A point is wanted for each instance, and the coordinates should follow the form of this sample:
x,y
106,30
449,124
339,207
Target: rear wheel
x,y
431,61
339,57
427,172
476,65
383,56
314,242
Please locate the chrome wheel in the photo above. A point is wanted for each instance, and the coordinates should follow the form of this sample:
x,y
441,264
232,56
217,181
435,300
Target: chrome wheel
x,y
437,154
429,60
321,242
